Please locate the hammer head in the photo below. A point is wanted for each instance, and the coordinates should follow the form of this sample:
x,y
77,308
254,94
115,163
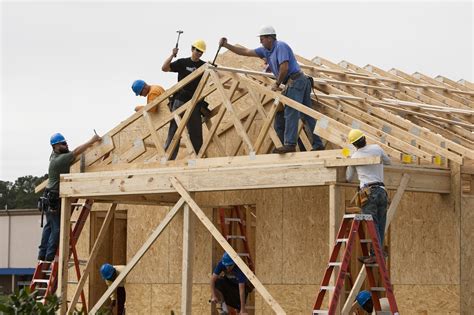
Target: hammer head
x,y
179,32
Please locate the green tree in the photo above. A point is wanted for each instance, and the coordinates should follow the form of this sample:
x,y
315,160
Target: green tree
x,y
7,196
24,190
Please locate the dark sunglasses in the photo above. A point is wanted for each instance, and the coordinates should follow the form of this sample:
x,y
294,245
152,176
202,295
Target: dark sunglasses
x,y
63,143
199,51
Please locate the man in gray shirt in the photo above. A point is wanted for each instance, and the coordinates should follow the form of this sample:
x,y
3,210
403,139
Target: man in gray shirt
x,y
371,179
59,162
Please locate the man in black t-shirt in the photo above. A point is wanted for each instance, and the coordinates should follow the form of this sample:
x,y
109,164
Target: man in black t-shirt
x,y
184,67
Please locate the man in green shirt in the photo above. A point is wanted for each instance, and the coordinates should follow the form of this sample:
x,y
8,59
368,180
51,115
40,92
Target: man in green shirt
x,y
59,162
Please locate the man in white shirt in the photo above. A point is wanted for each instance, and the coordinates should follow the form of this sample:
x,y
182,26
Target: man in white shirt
x,y
371,181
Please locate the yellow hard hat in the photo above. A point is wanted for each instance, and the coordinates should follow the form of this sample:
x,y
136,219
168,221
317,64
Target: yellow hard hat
x,y
354,135
200,44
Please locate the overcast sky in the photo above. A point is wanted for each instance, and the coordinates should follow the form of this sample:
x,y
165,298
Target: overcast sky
x,y
68,67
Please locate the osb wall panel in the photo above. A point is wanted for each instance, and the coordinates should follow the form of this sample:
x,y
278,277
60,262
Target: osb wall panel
x,y
294,299
467,255
425,240
292,235
305,234
161,299
142,221
428,299
139,298
167,298
164,258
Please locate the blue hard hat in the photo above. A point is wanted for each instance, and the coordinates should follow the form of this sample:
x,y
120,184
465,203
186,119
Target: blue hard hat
x,y
137,86
107,271
226,260
363,297
57,138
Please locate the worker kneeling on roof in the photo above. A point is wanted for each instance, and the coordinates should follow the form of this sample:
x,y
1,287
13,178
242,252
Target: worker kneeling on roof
x,y
230,289
139,87
109,273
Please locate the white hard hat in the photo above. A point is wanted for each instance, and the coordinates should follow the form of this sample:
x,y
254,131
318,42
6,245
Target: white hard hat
x,y
266,30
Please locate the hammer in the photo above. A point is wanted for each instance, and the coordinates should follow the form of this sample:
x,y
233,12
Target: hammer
x,y
213,62
177,41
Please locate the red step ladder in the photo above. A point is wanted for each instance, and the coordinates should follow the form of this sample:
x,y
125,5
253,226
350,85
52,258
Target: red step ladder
x,y
45,277
230,232
351,227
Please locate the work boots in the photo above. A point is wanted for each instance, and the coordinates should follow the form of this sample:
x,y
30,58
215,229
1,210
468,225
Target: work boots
x,y
285,149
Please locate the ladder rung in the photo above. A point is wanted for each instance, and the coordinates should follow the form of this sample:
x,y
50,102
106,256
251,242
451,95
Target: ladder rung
x,y
78,204
367,240
327,287
372,265
227,220
40,280
72,282
241,237
378,289
335,264
350,216
41,289
47,271
81,262
244,254
320,312
342,240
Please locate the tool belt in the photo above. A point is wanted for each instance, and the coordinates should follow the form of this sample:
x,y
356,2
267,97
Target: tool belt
x,y
50,201
363,193
362,196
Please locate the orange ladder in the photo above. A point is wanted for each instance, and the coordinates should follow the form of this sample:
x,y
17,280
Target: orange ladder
x,y
45,277
352,226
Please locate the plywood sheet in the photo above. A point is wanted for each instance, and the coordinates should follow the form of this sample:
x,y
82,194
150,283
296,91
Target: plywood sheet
x,y
294,299
269,237
305,234
425,240
467,255
428,299
139,298
167,298
142,220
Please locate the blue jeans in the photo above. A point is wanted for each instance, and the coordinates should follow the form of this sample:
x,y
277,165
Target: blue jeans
x,y
377,207
50,236
286,122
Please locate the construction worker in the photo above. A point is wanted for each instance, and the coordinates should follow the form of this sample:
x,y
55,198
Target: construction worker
x,y
150,91
59,162
372,191
109,273
184,67
232,288
285,68
364,302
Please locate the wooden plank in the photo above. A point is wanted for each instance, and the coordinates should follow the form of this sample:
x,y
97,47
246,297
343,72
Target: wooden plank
x,y
154,182
223,242
390,215
234,115
188,261
187,140
154,135
91,260
63,269
129,267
